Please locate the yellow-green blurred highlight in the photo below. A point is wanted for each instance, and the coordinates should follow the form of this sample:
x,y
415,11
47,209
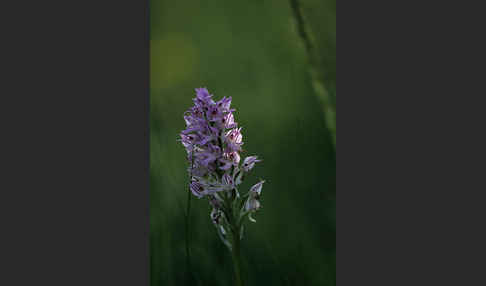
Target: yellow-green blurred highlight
x,y
248,50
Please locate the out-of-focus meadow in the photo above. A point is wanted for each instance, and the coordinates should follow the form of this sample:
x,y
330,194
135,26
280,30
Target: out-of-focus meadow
x,y
249,50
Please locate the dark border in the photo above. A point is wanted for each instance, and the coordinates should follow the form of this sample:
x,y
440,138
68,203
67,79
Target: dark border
x,y
76,145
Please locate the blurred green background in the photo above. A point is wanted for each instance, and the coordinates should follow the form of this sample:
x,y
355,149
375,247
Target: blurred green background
x,y
250,50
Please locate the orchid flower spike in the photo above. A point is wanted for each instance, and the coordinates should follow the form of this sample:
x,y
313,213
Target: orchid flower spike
x,y
213,143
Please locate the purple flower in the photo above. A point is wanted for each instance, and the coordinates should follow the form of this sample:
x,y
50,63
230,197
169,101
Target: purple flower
x,y
257,189
229,160
213,141
211,188
228,181
197,170
203,98
253,204
187,142
208,156
224,103
234,135
202,93
214,113
228,121
197,189
233,140
210,130
249,163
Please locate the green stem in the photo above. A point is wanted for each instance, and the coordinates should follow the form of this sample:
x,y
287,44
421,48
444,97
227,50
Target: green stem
x,y
188,213
188,253
235,249
235,255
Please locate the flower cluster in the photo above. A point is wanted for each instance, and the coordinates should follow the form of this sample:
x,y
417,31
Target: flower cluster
x,y
213,143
